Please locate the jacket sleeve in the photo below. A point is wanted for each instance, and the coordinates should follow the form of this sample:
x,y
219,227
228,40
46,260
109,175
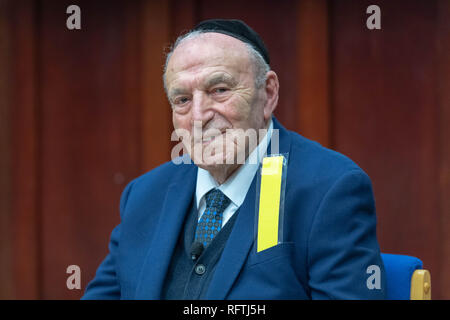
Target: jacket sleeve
x,y
105,285
344,260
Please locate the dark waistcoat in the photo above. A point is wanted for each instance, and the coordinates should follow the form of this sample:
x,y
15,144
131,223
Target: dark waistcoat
x,y
185,278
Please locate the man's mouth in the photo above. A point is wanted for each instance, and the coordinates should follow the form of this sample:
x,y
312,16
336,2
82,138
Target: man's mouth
x,y
209,139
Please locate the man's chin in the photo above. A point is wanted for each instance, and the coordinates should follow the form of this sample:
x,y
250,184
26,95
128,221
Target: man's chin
x,y
211,165
220,172
214,163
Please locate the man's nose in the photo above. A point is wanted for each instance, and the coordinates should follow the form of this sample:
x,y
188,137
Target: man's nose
x,y
201,107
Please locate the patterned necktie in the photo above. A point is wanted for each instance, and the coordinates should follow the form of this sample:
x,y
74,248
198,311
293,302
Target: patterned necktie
x,y
211,221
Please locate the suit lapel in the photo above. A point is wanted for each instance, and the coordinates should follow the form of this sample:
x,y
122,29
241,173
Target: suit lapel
x,y
175,207
242,236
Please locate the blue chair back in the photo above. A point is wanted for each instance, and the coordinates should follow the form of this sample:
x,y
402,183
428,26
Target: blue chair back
x,y
399,270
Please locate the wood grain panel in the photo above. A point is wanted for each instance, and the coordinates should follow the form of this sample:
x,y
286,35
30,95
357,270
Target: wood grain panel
x,y
385,118
184,14
5,152
443,93
89,145
25,195
313,71
156,113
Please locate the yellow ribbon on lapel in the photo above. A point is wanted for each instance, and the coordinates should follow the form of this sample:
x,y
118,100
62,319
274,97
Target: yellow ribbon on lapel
x,y
269,202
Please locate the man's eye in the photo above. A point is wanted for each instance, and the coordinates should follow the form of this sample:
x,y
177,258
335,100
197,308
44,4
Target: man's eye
x,y
181,100
220,90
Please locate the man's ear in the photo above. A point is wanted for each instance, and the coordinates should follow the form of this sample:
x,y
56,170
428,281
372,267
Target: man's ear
x,y
272,86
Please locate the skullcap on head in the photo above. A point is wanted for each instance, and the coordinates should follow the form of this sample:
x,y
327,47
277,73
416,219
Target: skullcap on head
x,y
237,29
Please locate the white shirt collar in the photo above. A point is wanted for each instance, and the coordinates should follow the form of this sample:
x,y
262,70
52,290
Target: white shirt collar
x,y
236,187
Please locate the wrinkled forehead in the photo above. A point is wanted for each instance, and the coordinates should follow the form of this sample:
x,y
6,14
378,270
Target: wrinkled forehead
x,y
209,50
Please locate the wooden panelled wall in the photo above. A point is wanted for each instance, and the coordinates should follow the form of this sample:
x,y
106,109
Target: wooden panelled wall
x,y
83,112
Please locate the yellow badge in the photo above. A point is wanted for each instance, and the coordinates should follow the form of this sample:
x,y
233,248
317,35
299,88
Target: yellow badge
x,y
269,202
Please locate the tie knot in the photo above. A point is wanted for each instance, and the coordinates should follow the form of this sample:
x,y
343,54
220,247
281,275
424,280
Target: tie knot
x,y
217,200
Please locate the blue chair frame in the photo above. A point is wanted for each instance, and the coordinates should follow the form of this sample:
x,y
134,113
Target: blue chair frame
x,y
405,278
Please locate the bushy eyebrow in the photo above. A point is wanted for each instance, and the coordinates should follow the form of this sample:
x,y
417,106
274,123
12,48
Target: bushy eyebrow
x,y
220,78
177,91
214,80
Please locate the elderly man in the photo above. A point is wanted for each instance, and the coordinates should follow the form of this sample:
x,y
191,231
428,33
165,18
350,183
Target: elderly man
x,y
187,229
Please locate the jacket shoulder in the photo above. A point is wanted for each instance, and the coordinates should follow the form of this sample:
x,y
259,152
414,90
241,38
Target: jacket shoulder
x,y
155,183
319,164
164,174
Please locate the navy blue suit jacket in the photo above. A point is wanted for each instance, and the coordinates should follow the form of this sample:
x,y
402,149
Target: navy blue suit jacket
x,y
329,234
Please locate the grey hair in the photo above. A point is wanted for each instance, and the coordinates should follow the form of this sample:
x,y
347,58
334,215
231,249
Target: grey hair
x,y
260,66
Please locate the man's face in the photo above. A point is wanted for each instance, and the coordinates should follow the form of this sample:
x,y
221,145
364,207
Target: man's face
x,y
210,81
